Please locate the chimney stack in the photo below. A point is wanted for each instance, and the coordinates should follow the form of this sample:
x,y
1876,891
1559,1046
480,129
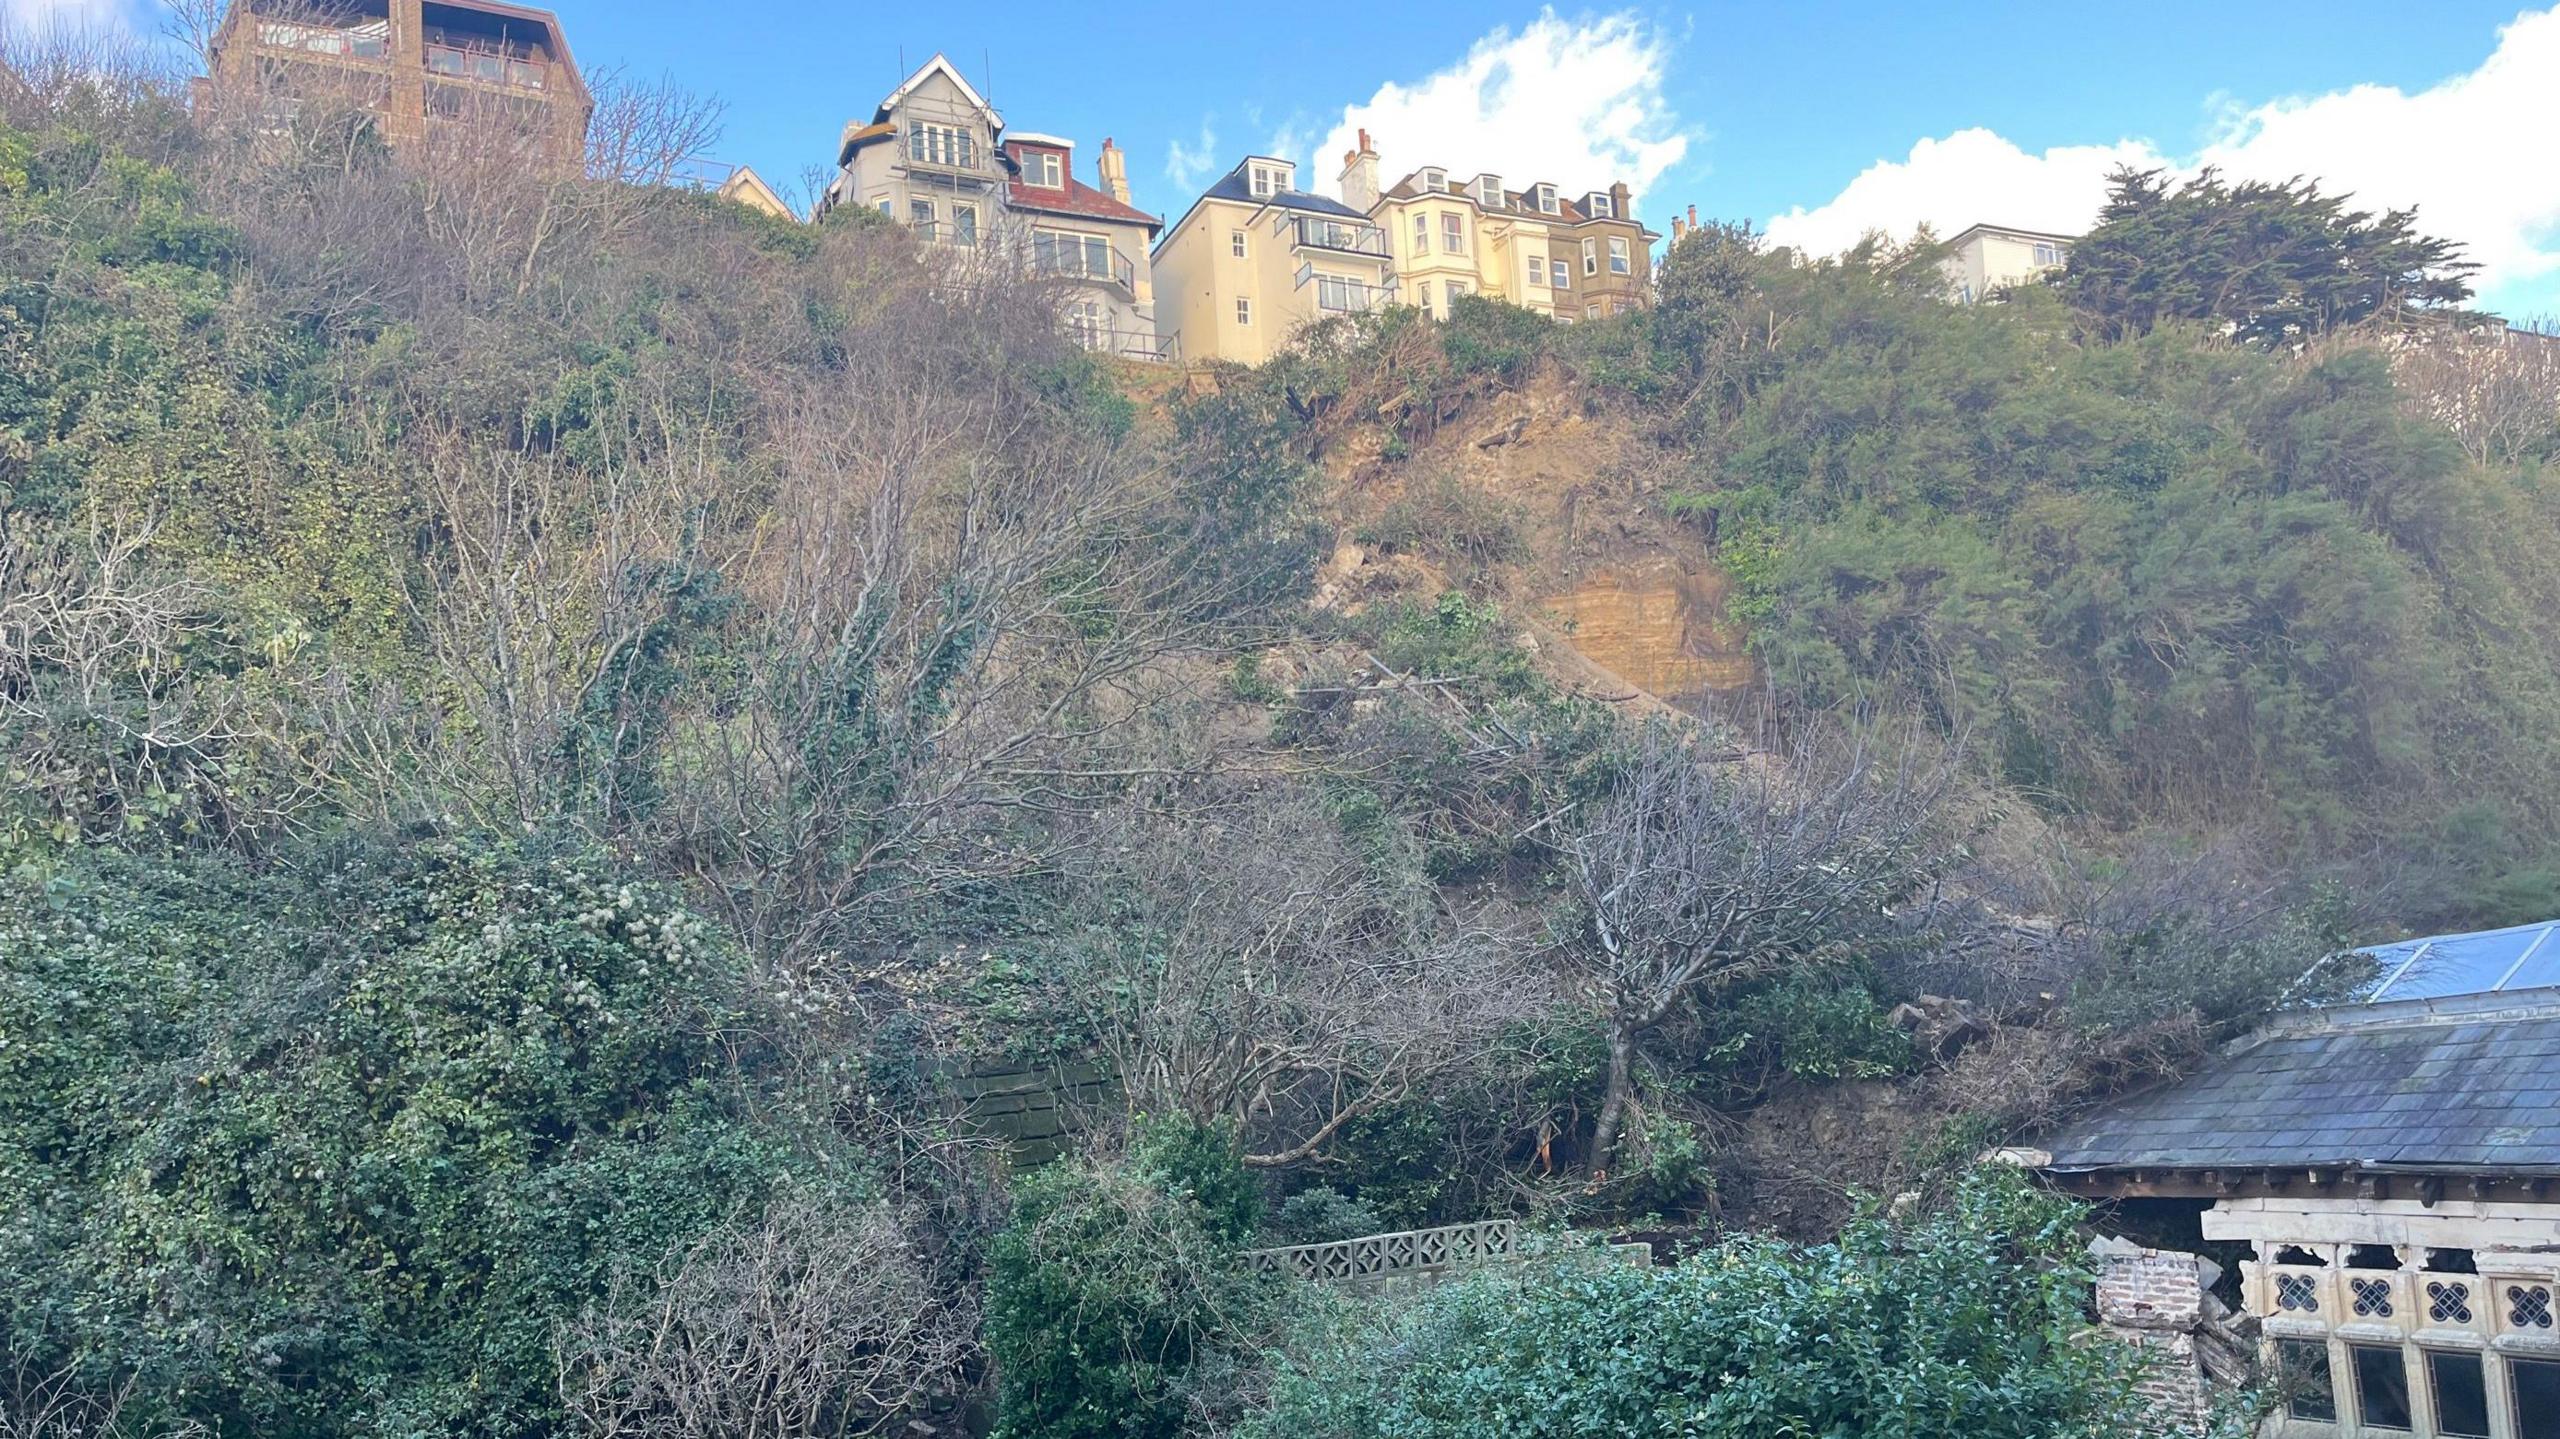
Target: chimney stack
x,y
1360,176
1679,227
1693,217
1113,162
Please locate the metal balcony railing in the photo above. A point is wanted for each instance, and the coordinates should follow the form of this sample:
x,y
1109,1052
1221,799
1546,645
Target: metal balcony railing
x,y
1342,295
489,67
367,41
1145,345
1340,235
1077,261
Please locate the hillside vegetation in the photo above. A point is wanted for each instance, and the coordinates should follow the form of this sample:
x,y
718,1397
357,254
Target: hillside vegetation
x,y
546,718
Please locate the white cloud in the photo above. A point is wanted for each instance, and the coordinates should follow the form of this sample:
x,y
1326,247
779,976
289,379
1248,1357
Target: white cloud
x,y
1970,177
1578,103
2473,153
1190,166
69,15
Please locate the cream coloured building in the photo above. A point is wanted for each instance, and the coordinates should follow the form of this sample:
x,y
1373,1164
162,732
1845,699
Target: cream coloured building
x,y
1571,257
745,187
1987,259
1256,259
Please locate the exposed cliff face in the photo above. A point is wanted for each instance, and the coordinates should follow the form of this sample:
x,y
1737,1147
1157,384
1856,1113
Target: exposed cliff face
x,y
1598,572
1662,628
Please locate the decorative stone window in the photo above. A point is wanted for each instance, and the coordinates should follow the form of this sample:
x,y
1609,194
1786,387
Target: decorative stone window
x,y
2529,1307
2371,1297
2448,1301
2298,1292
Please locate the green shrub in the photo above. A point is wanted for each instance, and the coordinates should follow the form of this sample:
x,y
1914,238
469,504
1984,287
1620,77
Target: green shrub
x,y
1964,1325
1455,637
2180,964
1204,1164
1494,337
1114,1289
1813,1028
1662,1166
1399,1162
1447,519
402,1110
1322,1215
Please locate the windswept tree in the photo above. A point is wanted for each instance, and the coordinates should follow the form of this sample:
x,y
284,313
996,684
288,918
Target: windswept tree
x,y
2277,263
1694,876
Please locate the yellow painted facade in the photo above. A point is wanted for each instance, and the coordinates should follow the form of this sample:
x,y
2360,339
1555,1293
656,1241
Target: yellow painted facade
x,y
1255,260
1565,257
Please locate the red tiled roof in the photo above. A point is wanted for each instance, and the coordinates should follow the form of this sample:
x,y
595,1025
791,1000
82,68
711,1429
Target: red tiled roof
x,y
1077,198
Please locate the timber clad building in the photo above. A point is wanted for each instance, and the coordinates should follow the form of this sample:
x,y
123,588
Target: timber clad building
x,y
2390,1171
469,70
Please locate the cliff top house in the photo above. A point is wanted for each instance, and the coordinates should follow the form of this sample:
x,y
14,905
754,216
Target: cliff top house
x,y
470,69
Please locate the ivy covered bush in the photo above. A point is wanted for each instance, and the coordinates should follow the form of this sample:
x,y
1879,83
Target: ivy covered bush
x,y
1964,1325
336,1148
1117,1307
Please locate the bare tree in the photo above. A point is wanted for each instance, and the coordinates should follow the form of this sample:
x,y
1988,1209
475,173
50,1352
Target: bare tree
x,y
817,1321
193,24
46,63
549,574
98,704
1690,878
648,132
2497,389
50,1401
1246,963
970,617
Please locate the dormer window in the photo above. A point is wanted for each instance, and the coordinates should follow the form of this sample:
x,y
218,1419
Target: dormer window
x,y
1434,181
1489,191
1547,199
1269,180
1040,168
1600,206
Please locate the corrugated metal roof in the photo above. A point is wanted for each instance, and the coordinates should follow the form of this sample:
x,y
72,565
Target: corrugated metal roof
x,y
2493,961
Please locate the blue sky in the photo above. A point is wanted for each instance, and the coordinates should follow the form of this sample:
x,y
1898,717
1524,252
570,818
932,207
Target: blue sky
x,y
1802,114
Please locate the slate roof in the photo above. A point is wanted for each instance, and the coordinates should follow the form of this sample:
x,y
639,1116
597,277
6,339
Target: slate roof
x,y
1239,187
2460,1084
